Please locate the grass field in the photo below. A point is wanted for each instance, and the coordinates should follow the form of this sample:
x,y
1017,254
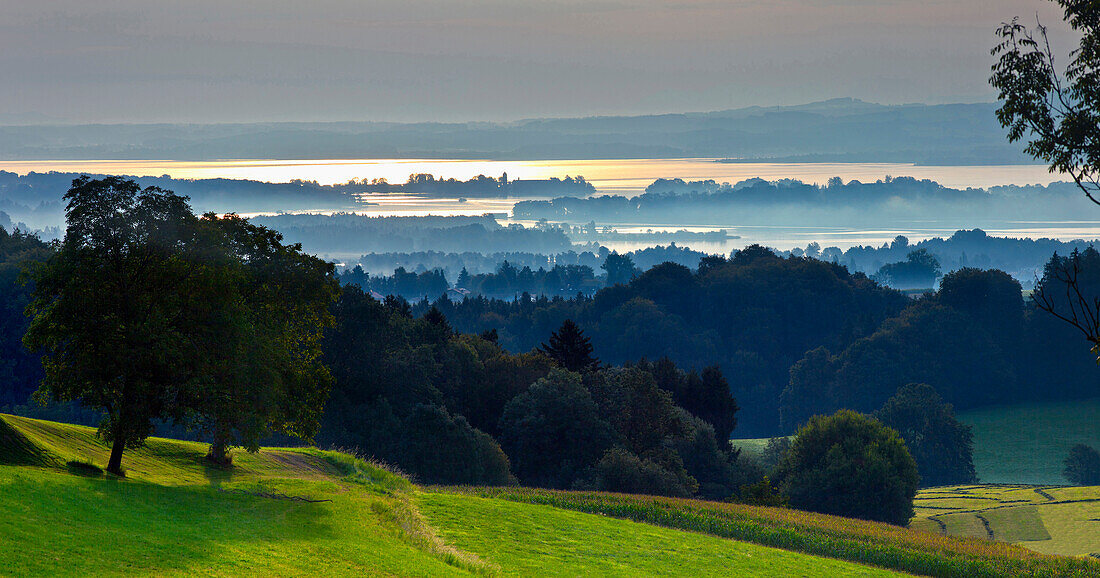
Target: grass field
x,y
1048,519
173,516
309,512
1026,444
917,552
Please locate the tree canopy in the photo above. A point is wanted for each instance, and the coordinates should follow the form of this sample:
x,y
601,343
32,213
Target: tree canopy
x,y
851,465
148,313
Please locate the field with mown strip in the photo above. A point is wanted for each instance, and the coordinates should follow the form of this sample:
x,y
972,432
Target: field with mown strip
x,y
913,551
1049,519
571,543
310,512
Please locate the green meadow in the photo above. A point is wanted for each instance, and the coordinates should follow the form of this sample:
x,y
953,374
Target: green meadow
x,y
296,511
1026,444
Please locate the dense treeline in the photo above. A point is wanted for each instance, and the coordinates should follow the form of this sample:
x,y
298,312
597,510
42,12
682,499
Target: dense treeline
x,y
1022,258
756,201
455,408
349,233
798,337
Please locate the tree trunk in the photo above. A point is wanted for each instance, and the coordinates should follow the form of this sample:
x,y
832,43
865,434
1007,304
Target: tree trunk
x,y
114,465
219,452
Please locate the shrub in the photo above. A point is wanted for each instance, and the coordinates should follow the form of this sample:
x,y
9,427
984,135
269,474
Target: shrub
x,y
1082,466
942,446
849,464
445,449
621,471
553,431
774,451
762,493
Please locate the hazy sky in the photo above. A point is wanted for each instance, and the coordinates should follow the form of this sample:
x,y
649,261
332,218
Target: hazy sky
x,y
447,60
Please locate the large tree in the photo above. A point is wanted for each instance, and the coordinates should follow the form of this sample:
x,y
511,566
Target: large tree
x,y
148,313
942,446
1058,113
113,310
851,465
263,361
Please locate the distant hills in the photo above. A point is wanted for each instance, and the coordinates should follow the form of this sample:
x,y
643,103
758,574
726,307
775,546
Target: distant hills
x,y
838,130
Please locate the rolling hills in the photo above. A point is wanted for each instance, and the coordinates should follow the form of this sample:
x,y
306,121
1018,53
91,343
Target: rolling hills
x,y
295,511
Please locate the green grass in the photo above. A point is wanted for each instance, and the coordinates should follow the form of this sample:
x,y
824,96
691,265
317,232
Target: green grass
x,y
1027,443
1051,520
882,545
750,447
546,541
172,515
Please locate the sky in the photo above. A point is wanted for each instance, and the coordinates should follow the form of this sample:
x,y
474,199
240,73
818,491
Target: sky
x,y
202,61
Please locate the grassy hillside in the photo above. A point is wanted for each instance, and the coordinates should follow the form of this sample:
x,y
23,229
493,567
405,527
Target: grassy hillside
x,y
1026,444
915,551
305,511
1052,520
172,515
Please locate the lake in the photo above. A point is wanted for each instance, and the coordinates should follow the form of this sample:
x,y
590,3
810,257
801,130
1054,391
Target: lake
x,y
619,176
607,175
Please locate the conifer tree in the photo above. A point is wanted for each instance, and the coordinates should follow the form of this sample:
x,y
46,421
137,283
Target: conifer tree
x,y
571,349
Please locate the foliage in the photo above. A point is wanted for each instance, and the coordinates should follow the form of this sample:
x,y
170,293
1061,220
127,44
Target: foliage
x,y
1057,113
619,268
554,431
1083,466
444,449
622,471
762,493
570,348
919,270
941,445
115,310
705,395
264,368
753,316
850,465
148,313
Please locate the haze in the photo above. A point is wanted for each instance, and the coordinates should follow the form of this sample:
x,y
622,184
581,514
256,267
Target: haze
x,y
135,61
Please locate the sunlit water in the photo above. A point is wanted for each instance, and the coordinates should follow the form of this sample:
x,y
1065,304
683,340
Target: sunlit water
x,y
608,175
615,176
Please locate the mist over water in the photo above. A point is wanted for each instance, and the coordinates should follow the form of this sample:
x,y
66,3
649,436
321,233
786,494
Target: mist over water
x,y
619,176
627,177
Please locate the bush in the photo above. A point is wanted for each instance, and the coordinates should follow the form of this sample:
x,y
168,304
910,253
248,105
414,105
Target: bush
x,y
1082,466
622,471
553,431
445,449
942,446
762,493
773,452
849,464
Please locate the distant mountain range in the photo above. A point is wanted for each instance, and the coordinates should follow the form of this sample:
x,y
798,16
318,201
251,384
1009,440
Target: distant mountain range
x,y
838,130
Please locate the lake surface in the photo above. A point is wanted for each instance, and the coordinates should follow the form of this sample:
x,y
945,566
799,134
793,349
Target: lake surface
x,y
619,176
608,176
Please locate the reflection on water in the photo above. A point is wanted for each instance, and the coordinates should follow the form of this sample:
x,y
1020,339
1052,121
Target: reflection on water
x,y
789,237
629,176
609,176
